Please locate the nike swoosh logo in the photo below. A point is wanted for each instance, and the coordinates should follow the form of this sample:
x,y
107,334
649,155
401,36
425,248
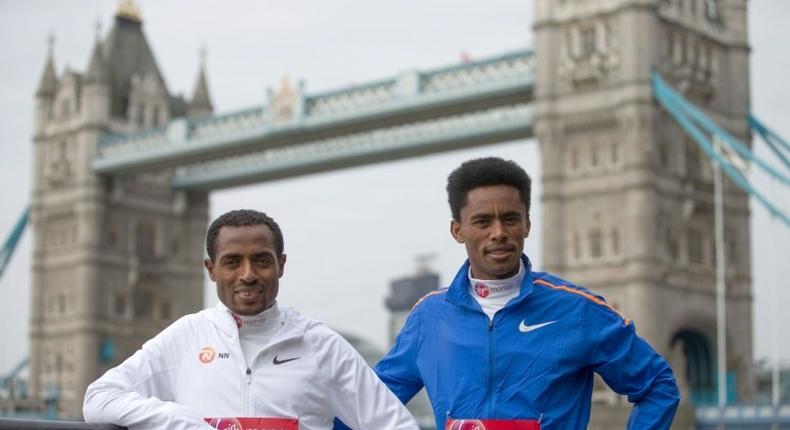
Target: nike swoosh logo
x,y
528,328
277,362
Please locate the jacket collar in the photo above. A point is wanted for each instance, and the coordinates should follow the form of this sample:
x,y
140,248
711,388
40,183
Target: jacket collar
x,y
293,324
458,293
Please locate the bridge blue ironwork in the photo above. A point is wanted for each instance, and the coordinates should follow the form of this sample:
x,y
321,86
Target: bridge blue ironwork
x,y
475,103
696,124
13,239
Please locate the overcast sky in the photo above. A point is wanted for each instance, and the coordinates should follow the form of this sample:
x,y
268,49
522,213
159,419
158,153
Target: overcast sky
x,y
348,233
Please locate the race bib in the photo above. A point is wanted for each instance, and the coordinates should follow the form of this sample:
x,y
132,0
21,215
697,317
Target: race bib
x,y
254,423
461,424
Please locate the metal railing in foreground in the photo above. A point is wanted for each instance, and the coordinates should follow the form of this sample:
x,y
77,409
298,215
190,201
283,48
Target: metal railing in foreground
x,y
26,424
743,417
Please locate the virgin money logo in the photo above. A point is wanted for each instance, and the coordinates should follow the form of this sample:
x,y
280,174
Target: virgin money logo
x,y
207,355
225,423
482,290
465,425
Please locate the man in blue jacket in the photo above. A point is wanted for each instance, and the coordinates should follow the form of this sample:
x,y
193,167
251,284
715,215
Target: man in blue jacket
x,y
506,343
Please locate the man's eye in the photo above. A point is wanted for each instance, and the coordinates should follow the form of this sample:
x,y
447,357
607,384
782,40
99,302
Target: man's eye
x,y
230,262
263,262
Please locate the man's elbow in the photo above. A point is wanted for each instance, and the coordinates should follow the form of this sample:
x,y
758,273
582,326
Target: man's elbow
x,y
94,404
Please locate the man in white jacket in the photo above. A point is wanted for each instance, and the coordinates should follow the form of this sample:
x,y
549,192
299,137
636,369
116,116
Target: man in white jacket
x,y
247,358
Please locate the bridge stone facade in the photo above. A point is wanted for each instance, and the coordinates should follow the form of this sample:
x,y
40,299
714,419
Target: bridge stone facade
x,y
115,259
627,196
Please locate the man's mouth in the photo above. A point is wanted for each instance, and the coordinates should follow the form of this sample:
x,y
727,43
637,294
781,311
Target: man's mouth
x,y
248,293
500,251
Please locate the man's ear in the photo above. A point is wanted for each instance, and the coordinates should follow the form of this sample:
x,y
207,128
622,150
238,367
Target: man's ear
x,y
455,231
529,227
209,265
281,263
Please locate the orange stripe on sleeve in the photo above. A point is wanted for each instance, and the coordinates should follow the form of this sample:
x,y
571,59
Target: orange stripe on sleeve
x,y
587,296
432,293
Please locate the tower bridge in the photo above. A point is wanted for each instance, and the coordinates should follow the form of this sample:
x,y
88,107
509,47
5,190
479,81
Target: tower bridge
x,y
123,168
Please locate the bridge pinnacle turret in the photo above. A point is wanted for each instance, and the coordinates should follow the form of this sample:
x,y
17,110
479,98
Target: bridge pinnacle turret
x,y
49,81
129,10
200,104
97,68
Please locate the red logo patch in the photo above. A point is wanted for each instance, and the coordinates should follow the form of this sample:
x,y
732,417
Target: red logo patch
x,y
207,355
482,290
466,425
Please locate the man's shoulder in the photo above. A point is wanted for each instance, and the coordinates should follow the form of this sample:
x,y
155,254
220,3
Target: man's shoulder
x,y
189,322
433,298
559,289
549,283
300,325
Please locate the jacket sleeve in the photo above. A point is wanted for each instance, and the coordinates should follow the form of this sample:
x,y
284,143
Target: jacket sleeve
x,y
138,393
357,395
398,369
630,366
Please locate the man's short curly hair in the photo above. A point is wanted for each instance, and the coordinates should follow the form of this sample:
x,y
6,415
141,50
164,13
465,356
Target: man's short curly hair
x,y
242,218
483,172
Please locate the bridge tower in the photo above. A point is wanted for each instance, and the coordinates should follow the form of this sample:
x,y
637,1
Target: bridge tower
x,y
114,259
628,197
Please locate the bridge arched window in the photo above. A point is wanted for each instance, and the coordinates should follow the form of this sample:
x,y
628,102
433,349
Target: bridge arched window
x,y
587,41
712,10
574,159
695,242
700,366
615,241
146,239
596,243
594,157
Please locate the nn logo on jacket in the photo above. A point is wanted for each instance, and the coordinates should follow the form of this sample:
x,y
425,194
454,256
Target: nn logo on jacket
x,y
208,354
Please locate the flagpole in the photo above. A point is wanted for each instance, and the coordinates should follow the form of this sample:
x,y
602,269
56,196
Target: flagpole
x,y
721,341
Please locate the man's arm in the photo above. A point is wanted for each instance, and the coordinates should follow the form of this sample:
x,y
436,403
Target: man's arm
x,y
630,366
398,369
358,397
136,393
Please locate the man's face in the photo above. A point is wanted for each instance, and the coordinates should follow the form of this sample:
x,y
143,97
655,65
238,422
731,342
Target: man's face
x,y
493,226
246,269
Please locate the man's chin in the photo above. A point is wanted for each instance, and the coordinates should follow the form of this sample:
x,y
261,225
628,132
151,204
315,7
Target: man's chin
x,y
248,309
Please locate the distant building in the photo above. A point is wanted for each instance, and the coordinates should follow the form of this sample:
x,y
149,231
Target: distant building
x,y
404,294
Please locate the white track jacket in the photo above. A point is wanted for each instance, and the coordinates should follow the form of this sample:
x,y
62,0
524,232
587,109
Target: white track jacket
x,y
195,368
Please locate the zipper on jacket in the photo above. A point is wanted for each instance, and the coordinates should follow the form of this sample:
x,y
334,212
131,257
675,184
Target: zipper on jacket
x,y
491,367
247,398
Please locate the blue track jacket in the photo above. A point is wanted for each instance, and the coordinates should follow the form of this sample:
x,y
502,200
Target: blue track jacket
x,y
535,360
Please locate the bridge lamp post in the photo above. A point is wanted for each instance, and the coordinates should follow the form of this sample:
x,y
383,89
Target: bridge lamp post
x,y
721,341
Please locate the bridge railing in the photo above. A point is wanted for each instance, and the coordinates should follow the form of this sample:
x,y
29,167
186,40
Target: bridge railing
x,y
25,424
742,417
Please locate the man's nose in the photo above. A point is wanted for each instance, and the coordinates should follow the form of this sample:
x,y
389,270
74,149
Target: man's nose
x,y
498,230
247,273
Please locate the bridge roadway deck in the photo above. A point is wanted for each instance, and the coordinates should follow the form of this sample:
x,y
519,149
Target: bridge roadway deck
x,y
415,113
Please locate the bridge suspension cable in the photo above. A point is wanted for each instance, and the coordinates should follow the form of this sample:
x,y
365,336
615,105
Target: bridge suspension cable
x,y
778,145
13,240
694,121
